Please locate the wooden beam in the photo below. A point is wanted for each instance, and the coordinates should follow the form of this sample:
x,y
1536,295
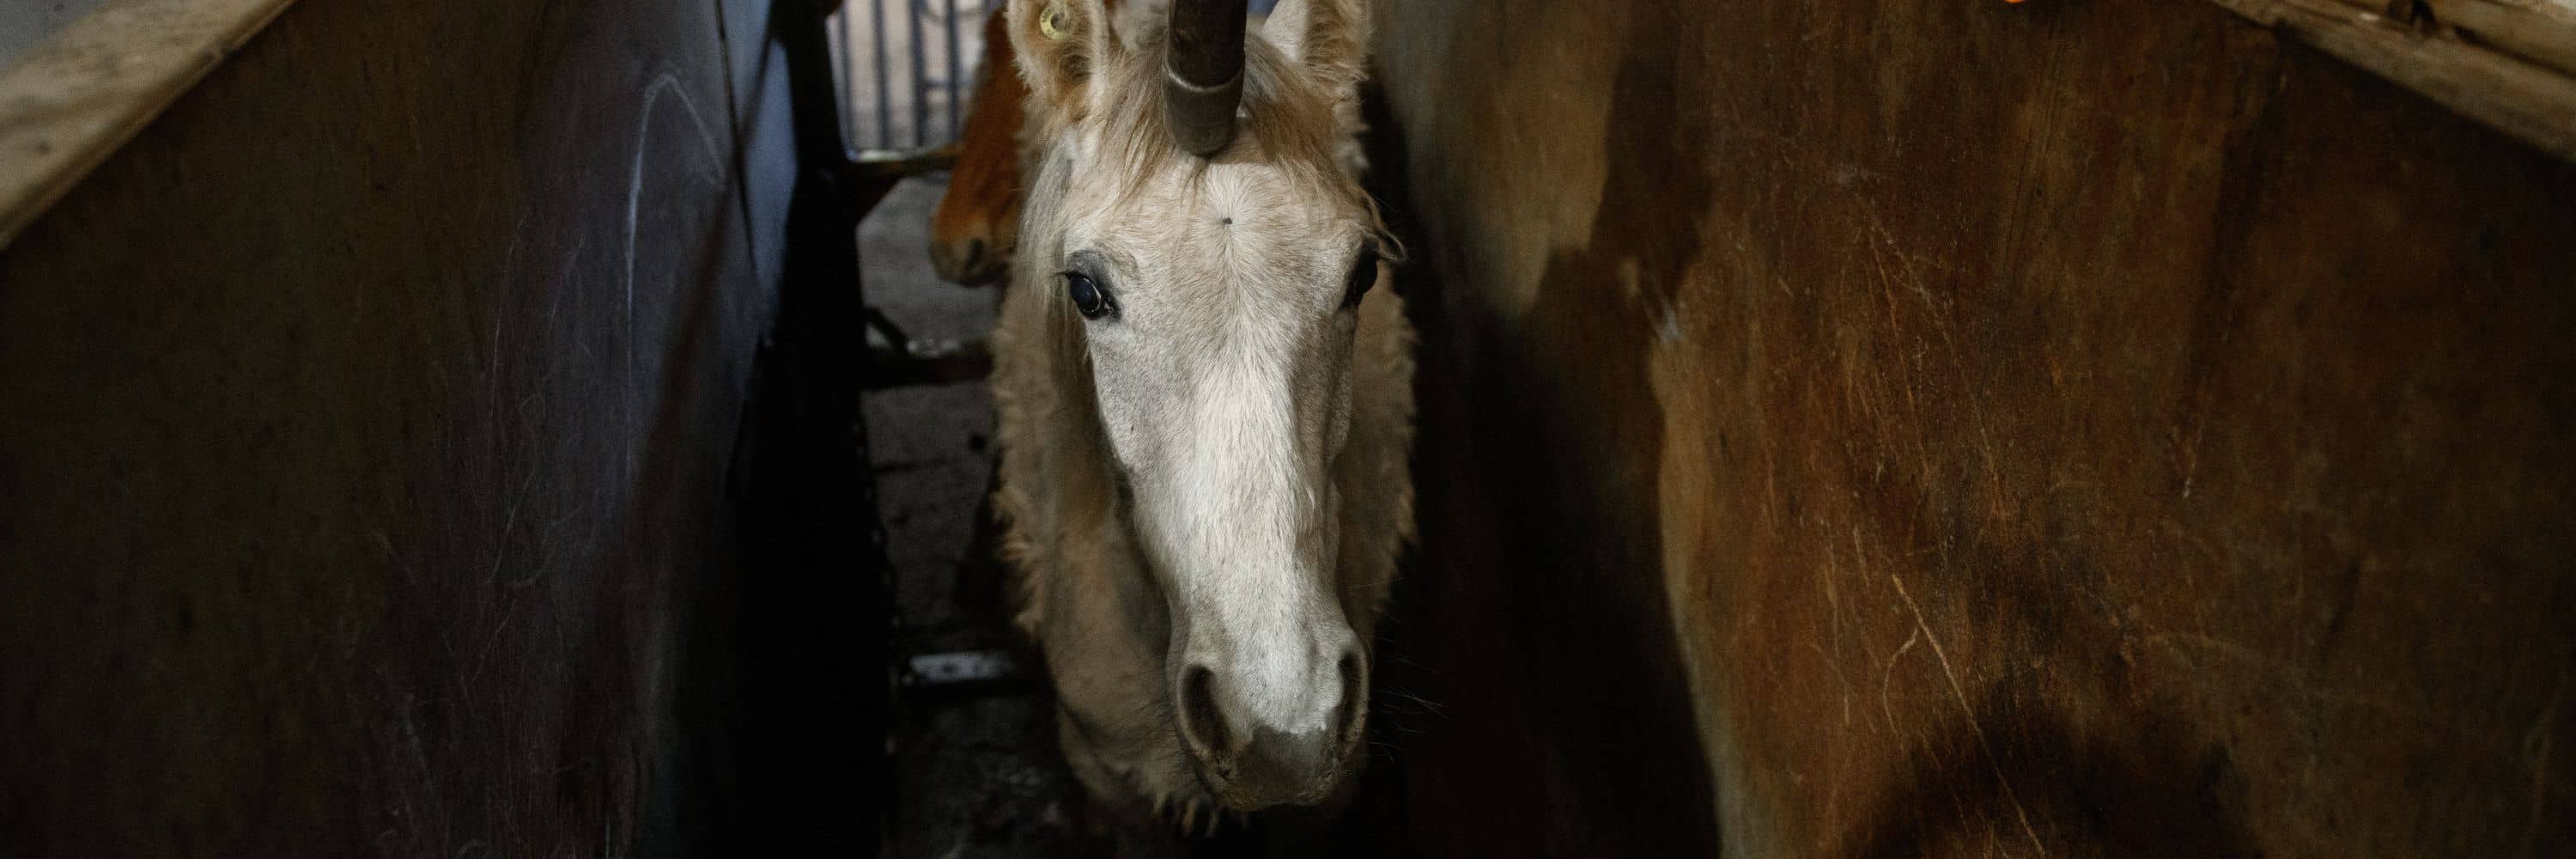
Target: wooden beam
x,y
78,96
2541,31
2518,96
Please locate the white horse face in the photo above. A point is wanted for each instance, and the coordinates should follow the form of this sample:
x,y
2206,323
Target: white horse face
x,y
1220,303
1217,294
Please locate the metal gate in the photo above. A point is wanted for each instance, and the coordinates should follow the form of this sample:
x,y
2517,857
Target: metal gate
x,y
906,69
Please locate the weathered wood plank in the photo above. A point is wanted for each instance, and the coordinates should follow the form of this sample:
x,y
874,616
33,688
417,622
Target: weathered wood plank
x,y
78,96
2517,95
2542,31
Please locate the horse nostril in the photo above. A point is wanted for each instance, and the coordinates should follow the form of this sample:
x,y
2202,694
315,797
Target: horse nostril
x,y
974,255
1201,722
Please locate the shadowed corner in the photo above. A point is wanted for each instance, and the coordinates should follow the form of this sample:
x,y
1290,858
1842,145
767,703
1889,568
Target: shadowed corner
x,y
2148,791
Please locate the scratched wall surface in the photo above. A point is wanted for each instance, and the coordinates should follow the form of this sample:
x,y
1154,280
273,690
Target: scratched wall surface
x,y
1892,428
363,425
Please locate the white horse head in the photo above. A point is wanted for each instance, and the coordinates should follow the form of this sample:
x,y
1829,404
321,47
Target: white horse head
x,y
1196,256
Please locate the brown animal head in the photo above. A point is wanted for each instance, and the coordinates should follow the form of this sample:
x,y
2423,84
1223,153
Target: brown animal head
x,y
977,226
975,231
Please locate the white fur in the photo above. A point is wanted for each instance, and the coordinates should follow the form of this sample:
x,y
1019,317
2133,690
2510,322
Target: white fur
x,y
1262,428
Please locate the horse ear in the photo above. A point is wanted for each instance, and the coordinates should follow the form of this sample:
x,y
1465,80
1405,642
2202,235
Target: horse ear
x,y
1061,44
1329,38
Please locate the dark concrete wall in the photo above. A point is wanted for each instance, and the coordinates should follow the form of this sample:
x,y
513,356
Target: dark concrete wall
x,y
363,430
1894,428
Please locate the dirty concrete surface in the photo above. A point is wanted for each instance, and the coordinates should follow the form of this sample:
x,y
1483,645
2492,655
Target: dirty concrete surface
x,y
980,773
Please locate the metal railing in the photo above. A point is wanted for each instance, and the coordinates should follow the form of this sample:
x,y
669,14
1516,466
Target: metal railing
x,y
908,81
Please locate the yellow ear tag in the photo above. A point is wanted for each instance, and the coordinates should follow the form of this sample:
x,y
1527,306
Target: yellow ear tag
x,y
1051,24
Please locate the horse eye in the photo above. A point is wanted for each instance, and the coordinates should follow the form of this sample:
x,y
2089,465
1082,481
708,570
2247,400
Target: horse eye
x,y
1363,275
1087,296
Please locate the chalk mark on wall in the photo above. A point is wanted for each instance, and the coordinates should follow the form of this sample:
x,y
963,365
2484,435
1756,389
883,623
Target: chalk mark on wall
x,y
664,83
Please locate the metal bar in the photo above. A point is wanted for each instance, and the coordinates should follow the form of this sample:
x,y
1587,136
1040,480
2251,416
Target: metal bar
x,y
884,325
920,71
955,75
885,84
899,163
873,174
848,67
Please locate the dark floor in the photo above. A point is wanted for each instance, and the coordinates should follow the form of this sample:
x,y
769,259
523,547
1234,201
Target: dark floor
x,y
980,772
932,456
